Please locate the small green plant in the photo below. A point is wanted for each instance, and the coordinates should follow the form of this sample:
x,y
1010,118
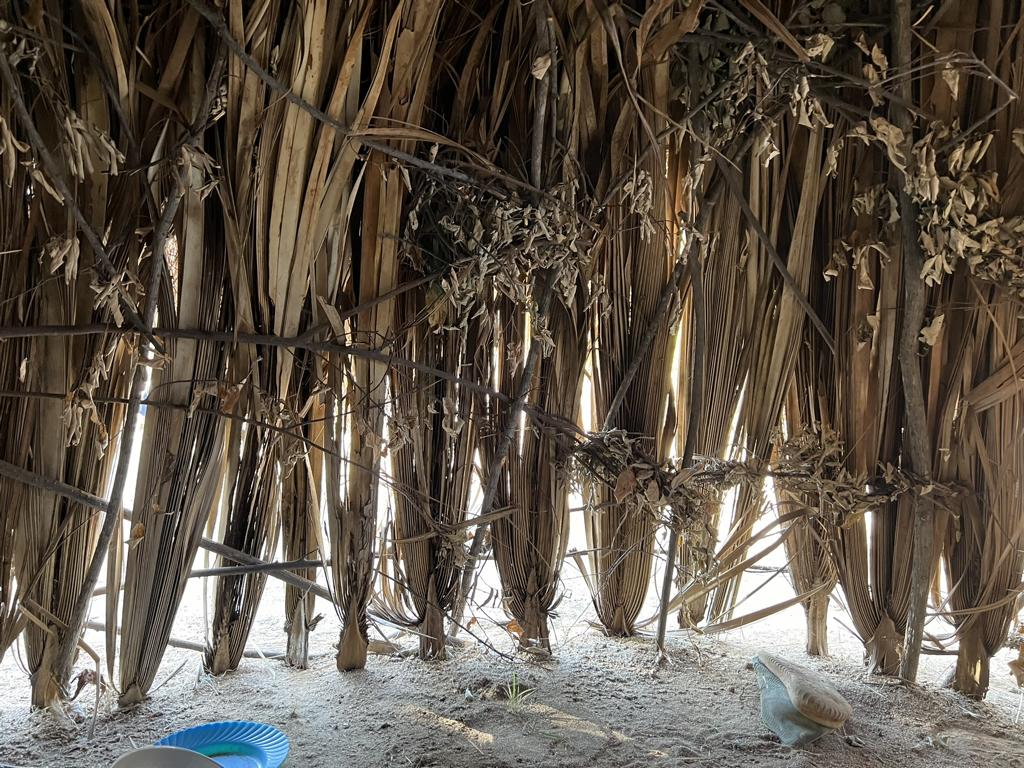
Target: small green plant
x,y
516,694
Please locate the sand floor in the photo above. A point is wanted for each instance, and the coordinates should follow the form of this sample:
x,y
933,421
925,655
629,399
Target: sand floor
x,y
597,702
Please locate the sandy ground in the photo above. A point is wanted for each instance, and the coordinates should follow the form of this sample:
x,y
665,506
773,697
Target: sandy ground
x,y
597,702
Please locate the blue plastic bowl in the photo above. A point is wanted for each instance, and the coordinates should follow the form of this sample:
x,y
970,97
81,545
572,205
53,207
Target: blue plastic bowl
x,y
234,744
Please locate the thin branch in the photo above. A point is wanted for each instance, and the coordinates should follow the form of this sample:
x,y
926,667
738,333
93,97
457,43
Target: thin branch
x,y
230,553
36,480
312,333
695,402
551,421
188,645
271,568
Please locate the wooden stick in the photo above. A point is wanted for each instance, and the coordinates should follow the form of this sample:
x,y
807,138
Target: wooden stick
x,y
299,342
35,480
230,553
236,570
556,423
916,439
188,645
693,422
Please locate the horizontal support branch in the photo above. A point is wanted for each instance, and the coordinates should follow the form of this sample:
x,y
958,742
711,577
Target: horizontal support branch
x,y
271,568
189,645
35,480
299,342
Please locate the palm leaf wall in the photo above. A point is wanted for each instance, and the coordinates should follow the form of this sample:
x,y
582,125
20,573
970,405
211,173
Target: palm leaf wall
x,y
334,336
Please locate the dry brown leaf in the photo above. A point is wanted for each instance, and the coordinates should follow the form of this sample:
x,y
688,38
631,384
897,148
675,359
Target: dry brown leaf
x,y
625,484
541,65
819,46
653,492
930,333
878,58
893,139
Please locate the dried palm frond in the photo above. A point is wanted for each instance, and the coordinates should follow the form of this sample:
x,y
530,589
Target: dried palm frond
x,y
872,552
728,323
434,422
181,456
853,389
513,262
791,226
433,438
530,542
540,329
250,153
250,523
300,510
976,400
774,360
756,272
74,193
809,552
401,75
985,540
15,241
289,168
625,157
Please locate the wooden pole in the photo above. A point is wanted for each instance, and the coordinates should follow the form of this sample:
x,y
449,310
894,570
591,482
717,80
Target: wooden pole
x,y
916,440
695,401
